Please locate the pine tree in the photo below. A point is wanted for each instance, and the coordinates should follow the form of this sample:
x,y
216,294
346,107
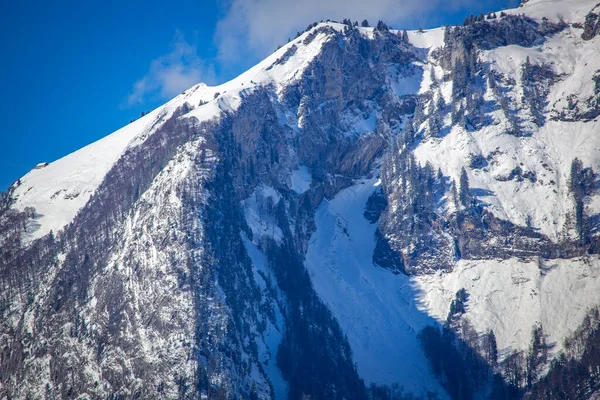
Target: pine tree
x,y
432,77
458,115
576,168
434,129
492,84
419,114
440,103
441,180
538,354
527,67
474,103
575,185
408,133
254,392
460,76
365,23
447,35
532,97
454,195
464,191
381,26
491,349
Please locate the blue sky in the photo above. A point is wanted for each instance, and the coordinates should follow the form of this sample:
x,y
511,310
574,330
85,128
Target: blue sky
x,y
75,71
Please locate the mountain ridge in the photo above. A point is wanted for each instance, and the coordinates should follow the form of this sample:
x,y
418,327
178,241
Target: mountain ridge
x,y
314,216
202,93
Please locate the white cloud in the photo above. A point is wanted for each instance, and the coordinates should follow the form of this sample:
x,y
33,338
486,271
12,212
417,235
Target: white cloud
x,y
170,74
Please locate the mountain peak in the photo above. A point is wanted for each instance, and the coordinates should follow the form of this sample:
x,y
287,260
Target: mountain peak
x,y
363,214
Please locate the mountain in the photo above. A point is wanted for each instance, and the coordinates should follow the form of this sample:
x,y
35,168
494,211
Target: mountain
x,y
365,214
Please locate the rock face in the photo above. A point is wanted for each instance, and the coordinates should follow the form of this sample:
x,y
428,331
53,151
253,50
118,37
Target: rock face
x,y
264,239
591,26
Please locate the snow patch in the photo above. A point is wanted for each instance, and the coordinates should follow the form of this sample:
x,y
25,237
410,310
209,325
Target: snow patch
x,y
511,296
376,309
301,179
259,212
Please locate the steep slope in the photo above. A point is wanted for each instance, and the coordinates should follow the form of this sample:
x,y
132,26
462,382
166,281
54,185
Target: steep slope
x,y
377,310
347,219
525,177
140,284
59,190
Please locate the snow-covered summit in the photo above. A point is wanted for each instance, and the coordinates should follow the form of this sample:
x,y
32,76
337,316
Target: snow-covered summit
x,y
61,189
297,230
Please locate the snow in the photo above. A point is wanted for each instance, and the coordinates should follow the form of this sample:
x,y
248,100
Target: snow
x,y
265,73
548,152
301,179
356,124
147,281
403,82
511,296
592,205
567,10
259,219
375,308
382,313
429,39
59,190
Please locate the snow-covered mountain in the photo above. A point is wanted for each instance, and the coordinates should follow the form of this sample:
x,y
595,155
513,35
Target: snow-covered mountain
x,y
367,213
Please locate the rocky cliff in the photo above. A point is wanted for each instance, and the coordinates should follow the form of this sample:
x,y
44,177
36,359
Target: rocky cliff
x,y
346,219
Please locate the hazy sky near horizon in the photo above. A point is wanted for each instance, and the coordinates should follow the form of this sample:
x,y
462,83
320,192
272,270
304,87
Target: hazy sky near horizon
x,y
75,71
